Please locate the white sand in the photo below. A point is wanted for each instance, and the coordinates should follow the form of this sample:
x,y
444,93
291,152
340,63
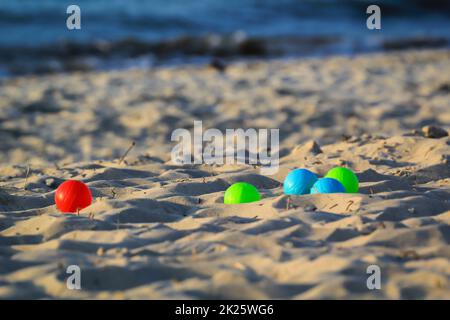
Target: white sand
x,y
161,231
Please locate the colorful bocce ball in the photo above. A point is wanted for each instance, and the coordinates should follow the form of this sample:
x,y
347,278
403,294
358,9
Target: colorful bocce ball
x,y
299,181
241,192
345,176
72,196
327,185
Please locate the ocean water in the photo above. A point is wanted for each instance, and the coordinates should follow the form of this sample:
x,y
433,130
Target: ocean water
x,y
34,34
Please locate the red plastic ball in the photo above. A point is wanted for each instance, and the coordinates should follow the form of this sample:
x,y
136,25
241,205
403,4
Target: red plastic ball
x,y
72,196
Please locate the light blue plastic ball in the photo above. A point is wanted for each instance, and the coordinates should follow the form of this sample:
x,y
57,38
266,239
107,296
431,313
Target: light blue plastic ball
x,y
327,185
299,181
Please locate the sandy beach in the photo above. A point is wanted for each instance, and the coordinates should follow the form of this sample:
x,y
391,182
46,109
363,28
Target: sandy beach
x,y
157,230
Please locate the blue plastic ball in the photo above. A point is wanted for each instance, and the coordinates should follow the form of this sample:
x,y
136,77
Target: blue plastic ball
x,y
299,181
327,185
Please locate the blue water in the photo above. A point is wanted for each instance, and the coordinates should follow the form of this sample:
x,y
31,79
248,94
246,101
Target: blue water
x,y
42,23
35,22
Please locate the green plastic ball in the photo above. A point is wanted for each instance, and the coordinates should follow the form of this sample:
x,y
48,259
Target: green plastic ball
x,y
345,176
241,192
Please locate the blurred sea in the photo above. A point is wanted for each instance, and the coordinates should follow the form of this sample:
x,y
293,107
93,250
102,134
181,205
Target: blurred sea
x,y
129,33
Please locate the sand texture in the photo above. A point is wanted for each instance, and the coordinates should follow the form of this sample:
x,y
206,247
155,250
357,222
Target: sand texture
x,y
158,230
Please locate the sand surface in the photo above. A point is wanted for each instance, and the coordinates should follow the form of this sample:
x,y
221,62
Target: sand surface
x,y
158,230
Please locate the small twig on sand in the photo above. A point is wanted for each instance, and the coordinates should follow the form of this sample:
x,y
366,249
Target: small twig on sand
x,y
410,254
349,204
126,152
334,206
26,176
